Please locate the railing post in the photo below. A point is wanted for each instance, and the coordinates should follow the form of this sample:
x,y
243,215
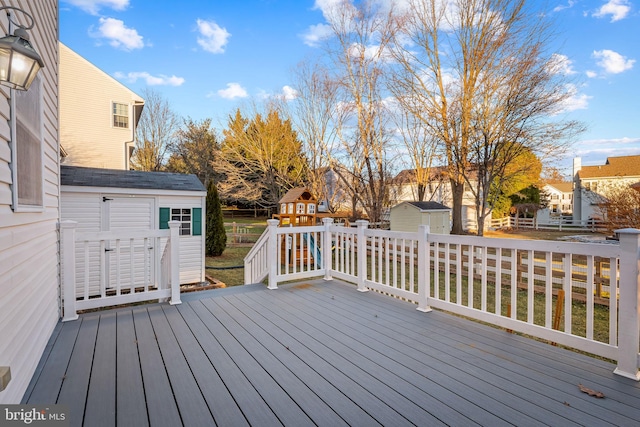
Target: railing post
x,y
68,244
362,255
424,274
174,266
629,309
326,248
272,253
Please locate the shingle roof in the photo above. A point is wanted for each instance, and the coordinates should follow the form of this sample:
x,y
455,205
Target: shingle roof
x,y
564,187
95,177
429,206
295,194
614,167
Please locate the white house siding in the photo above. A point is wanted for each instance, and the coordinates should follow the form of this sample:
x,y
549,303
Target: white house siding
x,y
29,280
191,247
86,121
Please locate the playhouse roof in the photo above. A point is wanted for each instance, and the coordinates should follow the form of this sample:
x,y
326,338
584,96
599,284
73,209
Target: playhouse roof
x,y
297,194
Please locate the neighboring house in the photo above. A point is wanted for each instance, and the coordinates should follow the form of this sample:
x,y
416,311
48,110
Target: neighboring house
x,y
559,197
408,216
117,200
438,189
591,183
29,206
98,115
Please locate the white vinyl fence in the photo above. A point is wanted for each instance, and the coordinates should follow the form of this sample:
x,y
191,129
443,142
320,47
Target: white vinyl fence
x,y
101,269
547,289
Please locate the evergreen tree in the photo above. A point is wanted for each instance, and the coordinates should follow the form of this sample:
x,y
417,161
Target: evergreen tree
x,y
216,234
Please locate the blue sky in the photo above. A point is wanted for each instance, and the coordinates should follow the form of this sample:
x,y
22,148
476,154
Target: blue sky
x,y
209,57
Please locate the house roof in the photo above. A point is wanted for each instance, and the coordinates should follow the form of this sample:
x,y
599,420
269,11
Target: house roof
x,y
428,206
614,167
95,177
563,187
295,194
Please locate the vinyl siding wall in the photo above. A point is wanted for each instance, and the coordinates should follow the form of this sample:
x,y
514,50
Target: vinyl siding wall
x,y
86,114
29,279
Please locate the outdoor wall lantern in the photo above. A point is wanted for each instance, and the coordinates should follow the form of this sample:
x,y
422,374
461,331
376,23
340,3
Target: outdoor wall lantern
x,y
19,61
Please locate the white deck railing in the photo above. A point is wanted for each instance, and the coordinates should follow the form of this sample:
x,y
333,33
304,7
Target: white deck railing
x,y
101,269
513,284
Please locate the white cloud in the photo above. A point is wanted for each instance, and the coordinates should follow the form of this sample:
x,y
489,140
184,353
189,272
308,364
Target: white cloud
x,y
591,74
612,62
233,91
94,6
159,80
289,93
562,64
213,38
316,33
118,34
577,101
561,7
618,9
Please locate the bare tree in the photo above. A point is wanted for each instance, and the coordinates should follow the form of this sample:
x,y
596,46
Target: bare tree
x,y
155,133
479,75
314,114
356,53
619,206
420,148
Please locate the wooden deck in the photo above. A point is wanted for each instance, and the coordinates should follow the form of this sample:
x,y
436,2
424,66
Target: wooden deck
x,y
316,353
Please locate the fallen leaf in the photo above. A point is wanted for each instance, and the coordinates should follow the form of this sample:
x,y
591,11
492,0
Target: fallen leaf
x,y
590,392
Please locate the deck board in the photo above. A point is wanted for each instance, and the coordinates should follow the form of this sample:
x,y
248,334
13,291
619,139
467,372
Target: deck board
x,y
316,353
130,397
76,384
161,405
100,408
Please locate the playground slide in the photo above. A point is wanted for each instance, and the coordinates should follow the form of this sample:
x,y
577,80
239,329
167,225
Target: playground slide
x,y
315,250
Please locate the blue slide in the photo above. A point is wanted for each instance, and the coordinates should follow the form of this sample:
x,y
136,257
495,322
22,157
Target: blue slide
x,y
315,250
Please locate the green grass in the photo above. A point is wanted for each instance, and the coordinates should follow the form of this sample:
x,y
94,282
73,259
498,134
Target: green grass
x,y
232,256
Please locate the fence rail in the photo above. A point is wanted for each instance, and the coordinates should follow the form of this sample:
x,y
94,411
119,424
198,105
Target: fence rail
x,y
513,284
559,224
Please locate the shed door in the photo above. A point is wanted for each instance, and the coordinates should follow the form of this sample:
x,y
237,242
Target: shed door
x,y
129,262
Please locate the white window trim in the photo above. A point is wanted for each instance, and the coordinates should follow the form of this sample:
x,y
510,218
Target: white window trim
x,y
15,205
112,114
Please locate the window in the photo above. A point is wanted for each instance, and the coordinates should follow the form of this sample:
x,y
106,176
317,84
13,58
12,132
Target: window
x,y
27,149
190,220
120,115
184,216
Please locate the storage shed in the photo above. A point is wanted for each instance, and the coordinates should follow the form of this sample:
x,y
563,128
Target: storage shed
x,y
120,200
407,216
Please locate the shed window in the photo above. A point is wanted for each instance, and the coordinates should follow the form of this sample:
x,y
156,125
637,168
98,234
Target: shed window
x,y
184,216
120,115
190,220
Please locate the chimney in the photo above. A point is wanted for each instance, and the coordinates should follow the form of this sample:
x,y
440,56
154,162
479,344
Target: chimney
x,y
577,165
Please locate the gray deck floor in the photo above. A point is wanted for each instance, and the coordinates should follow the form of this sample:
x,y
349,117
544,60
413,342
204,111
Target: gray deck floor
x,y
316,353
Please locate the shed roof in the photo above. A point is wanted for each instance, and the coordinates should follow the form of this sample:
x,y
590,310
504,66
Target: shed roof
x,y
95,177
614,167
428,206
297,193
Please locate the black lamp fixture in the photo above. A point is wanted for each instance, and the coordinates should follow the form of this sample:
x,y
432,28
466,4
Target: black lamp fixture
x,y
19,61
